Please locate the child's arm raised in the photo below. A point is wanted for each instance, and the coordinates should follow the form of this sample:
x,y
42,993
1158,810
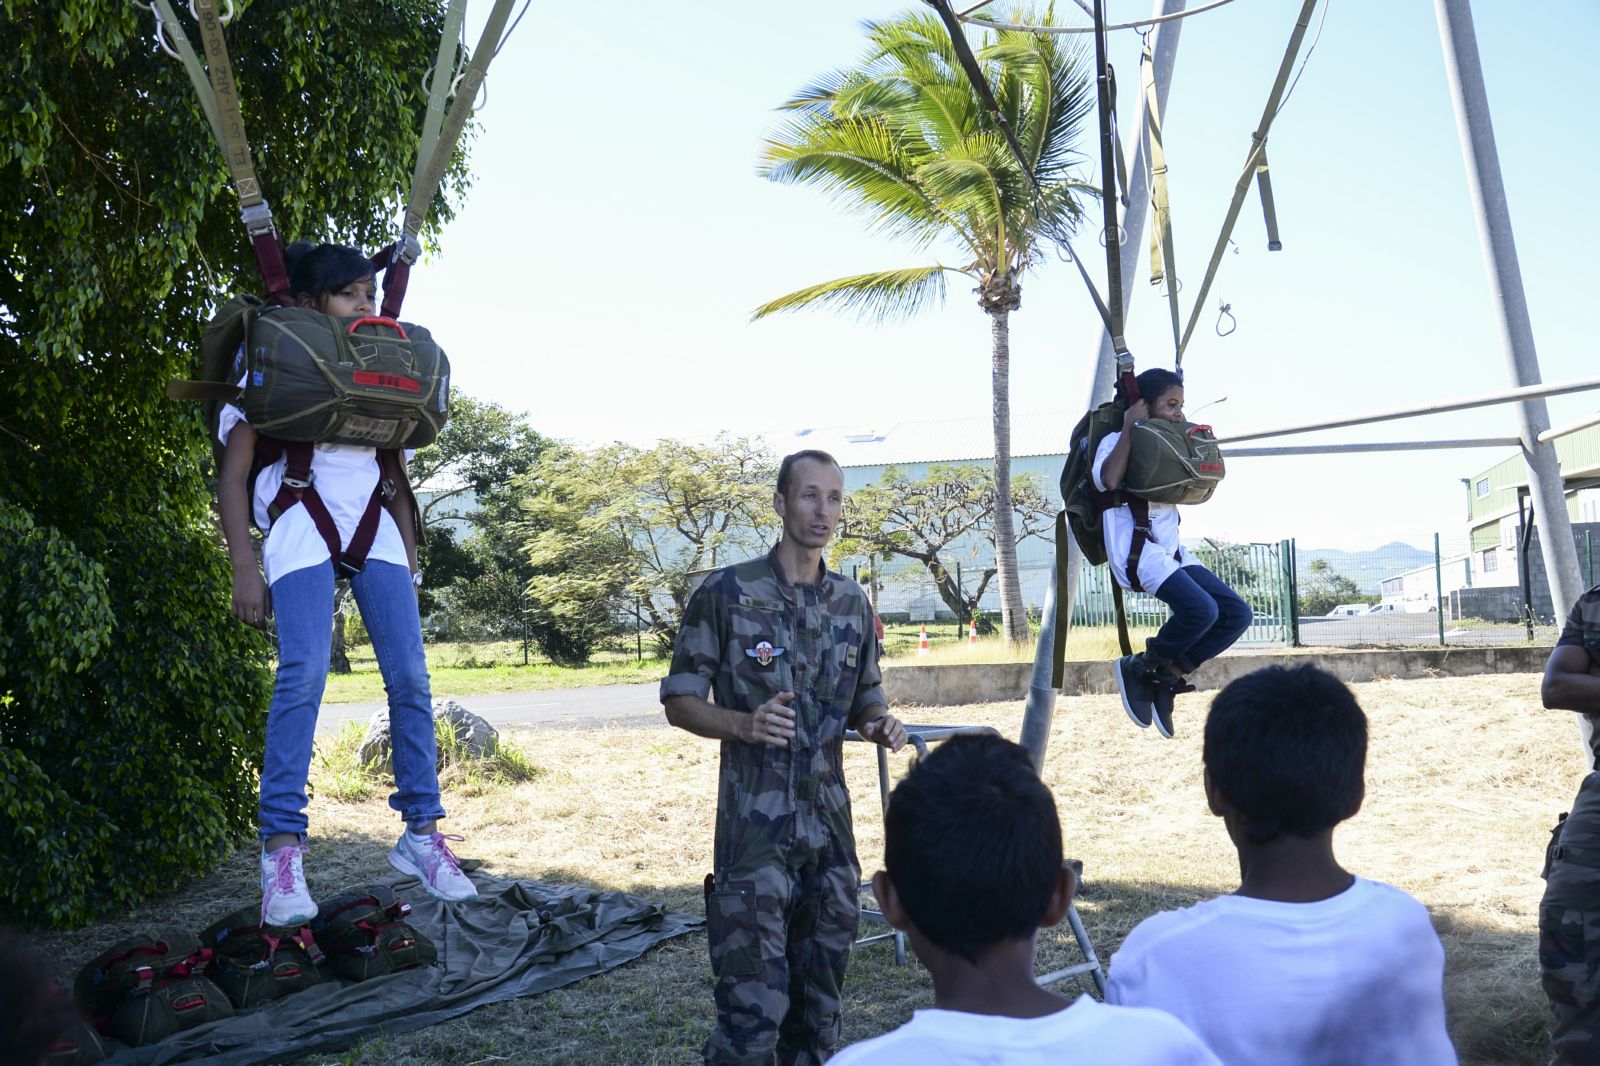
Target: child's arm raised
x,y
1116,464
252,602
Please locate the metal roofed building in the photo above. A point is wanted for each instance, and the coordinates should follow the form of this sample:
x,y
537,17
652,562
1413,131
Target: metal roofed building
x,y
1038,449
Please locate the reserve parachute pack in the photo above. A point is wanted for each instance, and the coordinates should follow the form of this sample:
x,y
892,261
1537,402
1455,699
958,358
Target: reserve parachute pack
x,y
253,963
145,988
315,378
365,934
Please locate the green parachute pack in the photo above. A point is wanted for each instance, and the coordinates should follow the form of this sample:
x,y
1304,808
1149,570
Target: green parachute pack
x,y
311,377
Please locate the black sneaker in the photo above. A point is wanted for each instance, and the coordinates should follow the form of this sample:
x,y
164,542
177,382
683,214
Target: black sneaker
x,y
1138,696
1166,687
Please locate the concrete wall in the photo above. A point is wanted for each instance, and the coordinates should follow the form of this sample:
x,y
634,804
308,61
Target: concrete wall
x,y
961,683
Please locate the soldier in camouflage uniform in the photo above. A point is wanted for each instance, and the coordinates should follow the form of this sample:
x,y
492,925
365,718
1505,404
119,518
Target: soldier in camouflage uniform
x,y
776,658
1569,915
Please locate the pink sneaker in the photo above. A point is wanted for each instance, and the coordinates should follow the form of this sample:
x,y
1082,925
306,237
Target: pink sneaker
x,y
430,860
285,901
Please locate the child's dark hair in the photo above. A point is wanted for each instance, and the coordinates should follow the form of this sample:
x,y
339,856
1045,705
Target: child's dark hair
x,y
784,468
973,845
1287,748
33,1017
1156,383
315,271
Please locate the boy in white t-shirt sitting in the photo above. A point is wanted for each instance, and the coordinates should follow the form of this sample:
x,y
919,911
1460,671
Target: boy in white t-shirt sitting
x,y
973,849
1305,963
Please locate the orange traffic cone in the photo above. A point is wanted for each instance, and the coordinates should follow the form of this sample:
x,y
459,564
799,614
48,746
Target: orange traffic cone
x,y
922,645
972,634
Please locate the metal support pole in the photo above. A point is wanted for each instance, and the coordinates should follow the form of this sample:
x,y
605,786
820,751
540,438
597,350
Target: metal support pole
x,y
1438,586
1464,71
1041,705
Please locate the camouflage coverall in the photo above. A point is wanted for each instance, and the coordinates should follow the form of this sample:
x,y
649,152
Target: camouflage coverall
x,y
782,912
1569,915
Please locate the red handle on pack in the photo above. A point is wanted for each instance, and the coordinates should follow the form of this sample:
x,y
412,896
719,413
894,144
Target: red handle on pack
x,y
378,320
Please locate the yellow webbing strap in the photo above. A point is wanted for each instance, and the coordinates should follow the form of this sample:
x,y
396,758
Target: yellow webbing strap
x,y
438,91
235,148
168,32
429,176
1268,211
1256,158
1163,257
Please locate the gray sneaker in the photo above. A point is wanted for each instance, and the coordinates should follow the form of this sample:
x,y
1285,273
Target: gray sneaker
x,y
1165,688
1133,682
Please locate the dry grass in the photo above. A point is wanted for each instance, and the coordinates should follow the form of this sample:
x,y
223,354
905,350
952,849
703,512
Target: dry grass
x,y
1465,777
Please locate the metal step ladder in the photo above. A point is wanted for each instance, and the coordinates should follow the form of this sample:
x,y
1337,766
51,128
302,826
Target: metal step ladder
x,y
918,736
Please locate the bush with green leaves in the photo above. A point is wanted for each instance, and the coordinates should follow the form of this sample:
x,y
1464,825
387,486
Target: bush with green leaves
x,y
132,706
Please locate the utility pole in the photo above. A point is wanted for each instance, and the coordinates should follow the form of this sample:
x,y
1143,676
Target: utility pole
x,y
1464,71
1041,703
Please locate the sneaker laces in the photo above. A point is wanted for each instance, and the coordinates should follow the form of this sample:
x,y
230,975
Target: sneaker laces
x,y
284,869
441,853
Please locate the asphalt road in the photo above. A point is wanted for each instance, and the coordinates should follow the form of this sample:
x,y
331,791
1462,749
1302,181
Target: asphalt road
x,y
623,705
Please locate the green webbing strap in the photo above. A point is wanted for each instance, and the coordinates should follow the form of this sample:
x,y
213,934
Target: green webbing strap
x,y
429,176
168,30
1163,257
1108,189
438,91
1058,651
1268,211
1258,147
1122,617
1116,140
235,148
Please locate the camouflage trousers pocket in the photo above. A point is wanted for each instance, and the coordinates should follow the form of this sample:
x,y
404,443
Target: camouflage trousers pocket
x,y
732,930
1569,958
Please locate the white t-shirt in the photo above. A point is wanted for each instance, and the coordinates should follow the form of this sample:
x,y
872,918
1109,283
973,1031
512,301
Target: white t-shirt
x,y
1085,1034
345,475
1162,554
1358,978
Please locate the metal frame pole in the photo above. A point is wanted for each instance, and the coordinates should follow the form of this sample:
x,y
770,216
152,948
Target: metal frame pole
x,y
1374,446
1464,71
1041,704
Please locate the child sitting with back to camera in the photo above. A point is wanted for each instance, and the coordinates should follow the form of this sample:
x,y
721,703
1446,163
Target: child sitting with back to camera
x,y
1304,962
972,846
1207,615
297,592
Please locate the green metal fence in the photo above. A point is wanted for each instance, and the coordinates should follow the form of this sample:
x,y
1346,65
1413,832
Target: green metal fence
x,y
1261,573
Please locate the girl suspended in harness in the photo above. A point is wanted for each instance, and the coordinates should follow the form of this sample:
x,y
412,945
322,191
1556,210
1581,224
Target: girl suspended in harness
x,y
297,593
1207,615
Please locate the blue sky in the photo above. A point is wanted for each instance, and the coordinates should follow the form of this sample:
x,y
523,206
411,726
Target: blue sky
x,y
601,273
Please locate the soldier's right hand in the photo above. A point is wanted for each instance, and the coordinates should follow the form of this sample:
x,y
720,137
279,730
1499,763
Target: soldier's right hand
x,y
772,722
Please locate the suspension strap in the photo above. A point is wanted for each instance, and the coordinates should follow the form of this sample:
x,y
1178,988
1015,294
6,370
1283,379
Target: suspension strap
x,y
429,174
1163,256
1105,87
219,99
969,65
1254,164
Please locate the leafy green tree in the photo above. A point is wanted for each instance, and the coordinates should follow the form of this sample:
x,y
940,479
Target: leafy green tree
x,y
901,140
621,529
946,515
131,703
1324,588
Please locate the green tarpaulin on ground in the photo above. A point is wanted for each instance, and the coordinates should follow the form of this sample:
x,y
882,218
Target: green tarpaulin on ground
x,y
518,938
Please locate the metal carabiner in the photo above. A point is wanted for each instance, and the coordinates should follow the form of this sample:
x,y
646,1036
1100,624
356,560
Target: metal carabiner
x,y
224,18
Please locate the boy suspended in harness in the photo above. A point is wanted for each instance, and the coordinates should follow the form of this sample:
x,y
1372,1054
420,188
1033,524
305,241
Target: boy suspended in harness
x,y
1207,615
315,522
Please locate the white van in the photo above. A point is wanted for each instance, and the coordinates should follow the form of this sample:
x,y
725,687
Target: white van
x,y
1345,610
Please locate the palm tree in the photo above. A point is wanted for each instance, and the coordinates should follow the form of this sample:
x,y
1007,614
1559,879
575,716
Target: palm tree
x,y
903,141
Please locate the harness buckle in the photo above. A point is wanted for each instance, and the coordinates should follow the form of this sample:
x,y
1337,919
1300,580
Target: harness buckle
x,y
386,488
257,219
408,249
344,569
296,484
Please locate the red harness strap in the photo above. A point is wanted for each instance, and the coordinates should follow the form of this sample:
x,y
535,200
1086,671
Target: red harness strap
x,y
297,488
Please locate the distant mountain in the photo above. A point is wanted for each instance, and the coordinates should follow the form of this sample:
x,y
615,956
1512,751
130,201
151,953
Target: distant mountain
x,y
1367,569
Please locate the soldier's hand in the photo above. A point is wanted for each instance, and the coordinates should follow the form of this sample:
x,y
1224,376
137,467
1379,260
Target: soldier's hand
x,y
885,730
772,722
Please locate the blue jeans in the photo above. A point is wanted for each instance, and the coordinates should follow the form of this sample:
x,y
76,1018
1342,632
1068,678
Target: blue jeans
x,y
1207,617
302,602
